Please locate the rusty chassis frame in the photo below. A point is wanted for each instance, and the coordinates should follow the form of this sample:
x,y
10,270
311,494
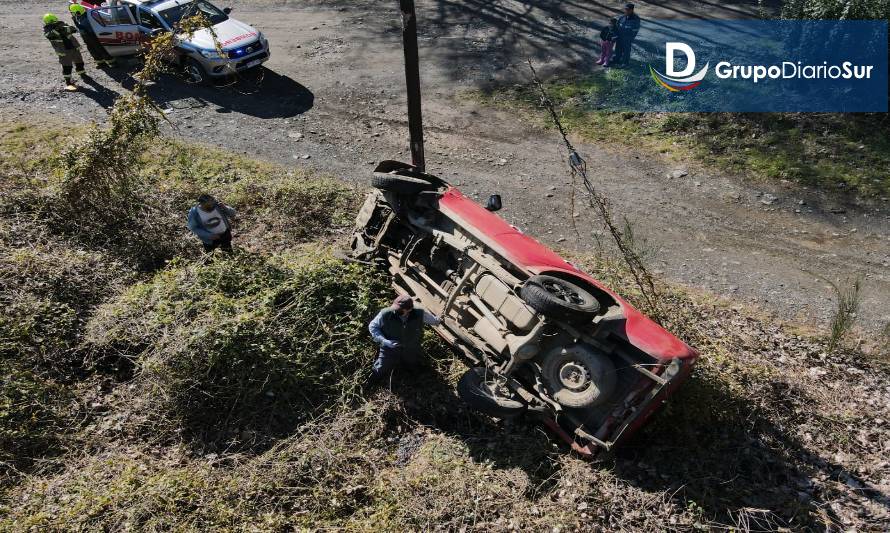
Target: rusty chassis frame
x,y
409,279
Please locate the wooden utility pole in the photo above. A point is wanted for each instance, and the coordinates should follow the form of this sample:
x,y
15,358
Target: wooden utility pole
x,y
412,82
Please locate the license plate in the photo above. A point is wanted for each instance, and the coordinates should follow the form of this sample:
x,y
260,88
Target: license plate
x,y
253,63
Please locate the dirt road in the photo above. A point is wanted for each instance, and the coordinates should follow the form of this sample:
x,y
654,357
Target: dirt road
x,y
333,92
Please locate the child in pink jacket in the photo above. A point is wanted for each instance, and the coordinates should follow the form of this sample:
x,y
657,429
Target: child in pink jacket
x,y
609,35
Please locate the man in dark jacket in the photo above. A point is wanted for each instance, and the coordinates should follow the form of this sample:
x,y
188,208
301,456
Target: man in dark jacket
x,y
628,27
61,36
398,330
210,220
102,57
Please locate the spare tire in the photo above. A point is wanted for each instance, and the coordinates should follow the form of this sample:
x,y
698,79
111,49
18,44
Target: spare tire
x,y
560,299
477,388
578,376
399,184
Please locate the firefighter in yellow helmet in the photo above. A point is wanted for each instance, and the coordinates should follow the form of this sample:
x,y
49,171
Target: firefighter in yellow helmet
x,y
61,36
79,17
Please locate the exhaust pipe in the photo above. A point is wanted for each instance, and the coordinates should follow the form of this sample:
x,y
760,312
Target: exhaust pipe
x,y
412,81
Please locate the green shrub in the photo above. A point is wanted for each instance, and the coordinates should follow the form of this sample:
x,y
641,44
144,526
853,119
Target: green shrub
x,y
129,491
237,349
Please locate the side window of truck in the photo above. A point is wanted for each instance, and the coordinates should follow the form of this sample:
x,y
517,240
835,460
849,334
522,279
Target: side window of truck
x,y
112,16
149,20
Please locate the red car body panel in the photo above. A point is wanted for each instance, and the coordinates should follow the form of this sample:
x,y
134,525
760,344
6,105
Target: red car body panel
x,y
534,257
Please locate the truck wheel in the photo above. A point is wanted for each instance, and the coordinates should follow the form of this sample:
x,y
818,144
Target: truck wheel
x,y
399,184
577,376
194,72
480,391
560,299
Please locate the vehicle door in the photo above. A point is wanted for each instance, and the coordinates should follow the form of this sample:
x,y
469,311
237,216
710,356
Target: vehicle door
x,y
116,29
149,23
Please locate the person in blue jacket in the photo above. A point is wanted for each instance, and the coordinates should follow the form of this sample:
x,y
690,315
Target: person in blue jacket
x,y
398,330
628,27
211,221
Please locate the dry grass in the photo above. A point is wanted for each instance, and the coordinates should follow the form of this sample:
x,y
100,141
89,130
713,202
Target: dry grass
x,y
772,431
53,275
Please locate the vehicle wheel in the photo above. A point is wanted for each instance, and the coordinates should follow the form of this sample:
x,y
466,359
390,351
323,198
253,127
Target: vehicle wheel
x,y
399,184
579,377
479,390
194,72
557,298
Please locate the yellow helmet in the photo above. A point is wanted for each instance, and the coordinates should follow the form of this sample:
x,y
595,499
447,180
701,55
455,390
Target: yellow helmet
x,y
77,9
49,18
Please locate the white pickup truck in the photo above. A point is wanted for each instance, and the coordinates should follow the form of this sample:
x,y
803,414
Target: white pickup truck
x,y
123,27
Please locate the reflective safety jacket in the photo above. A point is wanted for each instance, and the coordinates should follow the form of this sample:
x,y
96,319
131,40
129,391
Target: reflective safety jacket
x,y
61,36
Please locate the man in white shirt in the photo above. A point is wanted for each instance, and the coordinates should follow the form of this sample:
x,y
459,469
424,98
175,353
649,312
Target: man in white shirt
x,y
210,220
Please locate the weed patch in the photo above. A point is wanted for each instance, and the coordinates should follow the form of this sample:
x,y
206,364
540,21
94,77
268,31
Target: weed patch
x,y
277,207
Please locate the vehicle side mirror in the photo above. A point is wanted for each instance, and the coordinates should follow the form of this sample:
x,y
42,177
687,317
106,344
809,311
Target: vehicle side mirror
x,y
494,203
227,10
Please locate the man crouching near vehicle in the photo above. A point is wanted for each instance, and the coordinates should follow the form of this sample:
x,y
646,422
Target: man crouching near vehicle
x,y
398,330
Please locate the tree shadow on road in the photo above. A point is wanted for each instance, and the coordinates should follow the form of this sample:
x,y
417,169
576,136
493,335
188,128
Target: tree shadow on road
x,y
480,38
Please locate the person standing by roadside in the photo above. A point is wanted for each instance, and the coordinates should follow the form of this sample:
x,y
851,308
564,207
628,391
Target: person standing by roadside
x,y
100,55
61,36
398,329
210,220
607,44
628,27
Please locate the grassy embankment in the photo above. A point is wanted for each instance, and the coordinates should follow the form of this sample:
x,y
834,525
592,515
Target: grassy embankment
x,y
191,394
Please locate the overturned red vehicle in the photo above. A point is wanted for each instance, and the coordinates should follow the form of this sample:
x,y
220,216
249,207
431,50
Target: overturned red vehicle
x,y
542,337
